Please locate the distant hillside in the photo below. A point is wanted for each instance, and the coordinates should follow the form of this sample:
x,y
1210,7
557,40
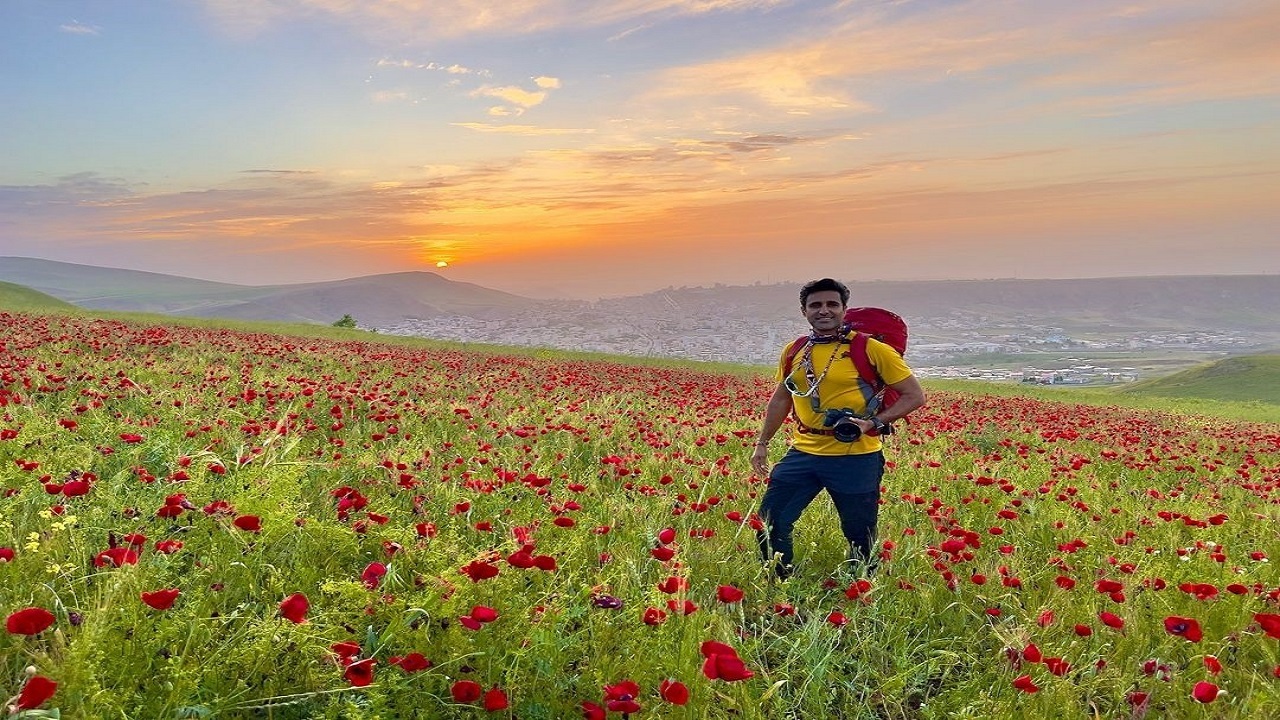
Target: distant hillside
x,y
1237,302
16,298
1245,378
373,300
940,311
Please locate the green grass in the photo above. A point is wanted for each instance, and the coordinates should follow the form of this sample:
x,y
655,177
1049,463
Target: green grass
x,y
1252,410
17,298
1038,490
1238,379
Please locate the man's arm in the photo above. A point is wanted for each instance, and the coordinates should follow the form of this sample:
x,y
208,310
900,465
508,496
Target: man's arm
x,y
774,415
910,397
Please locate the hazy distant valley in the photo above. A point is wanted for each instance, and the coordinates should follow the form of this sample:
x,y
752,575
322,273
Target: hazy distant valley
x,y
997,346
1086,330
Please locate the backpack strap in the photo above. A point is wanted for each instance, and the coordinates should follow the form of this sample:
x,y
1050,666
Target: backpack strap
x,y
869,381
789,358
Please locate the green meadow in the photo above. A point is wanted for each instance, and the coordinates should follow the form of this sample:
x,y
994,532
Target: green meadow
x,y
292,522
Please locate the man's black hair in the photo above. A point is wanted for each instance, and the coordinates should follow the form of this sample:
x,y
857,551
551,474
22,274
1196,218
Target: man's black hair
x,y
824,285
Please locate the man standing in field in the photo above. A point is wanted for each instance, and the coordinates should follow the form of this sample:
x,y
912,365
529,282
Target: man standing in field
x,y
832,450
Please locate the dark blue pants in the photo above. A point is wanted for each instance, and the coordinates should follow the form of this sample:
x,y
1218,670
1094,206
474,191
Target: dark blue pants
x,y
852,481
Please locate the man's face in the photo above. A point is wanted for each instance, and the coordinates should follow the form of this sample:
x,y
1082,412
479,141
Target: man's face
x,y
824,311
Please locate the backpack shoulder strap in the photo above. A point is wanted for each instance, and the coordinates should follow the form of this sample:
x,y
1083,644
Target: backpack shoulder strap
x,y
869,380
862,361
792,350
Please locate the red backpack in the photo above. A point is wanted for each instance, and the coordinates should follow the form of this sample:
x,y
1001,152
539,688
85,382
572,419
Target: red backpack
x,y
883,325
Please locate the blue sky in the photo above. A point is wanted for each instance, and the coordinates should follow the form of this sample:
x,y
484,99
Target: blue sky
x,y
580,149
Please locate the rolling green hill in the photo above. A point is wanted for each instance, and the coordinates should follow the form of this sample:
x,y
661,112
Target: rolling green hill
x,y
1245,378
24,299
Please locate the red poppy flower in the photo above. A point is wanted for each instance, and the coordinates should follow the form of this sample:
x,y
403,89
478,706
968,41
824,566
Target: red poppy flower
x,y
667,536
495,700
484,614
168,547
6,554
466,691
684,608
345,651
545,562
294,608
218,506
1201,591
249,523
674,692
1025,684
654,616
729,594
673,585
858,589
1212,664
1111,620
34,694
116,557
1057,666
722,662
1032,653
837,618
413,662
663,553
522,559
75,488
360,673
161,599
1270,623
29,621
1205,692
372,575
479,570
592,711
1188,628
622,697
1108,586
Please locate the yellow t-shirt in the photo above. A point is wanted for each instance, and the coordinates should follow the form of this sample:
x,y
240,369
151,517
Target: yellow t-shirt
x,y
837,389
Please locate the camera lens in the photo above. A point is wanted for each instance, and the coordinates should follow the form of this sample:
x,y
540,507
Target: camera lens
x,y
846,430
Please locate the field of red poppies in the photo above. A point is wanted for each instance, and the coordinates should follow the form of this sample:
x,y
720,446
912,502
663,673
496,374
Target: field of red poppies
x,y
214,523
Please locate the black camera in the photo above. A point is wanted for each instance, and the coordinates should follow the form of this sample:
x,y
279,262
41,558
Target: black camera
x,y
843,428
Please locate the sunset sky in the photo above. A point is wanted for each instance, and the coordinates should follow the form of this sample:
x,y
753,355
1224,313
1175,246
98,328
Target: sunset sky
x,y
572,148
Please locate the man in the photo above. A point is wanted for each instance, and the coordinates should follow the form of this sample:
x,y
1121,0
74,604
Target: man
x,y
822,377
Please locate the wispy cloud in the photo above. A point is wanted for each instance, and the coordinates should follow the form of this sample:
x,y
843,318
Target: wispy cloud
x,y
1169,52
512,94
78,28
452,69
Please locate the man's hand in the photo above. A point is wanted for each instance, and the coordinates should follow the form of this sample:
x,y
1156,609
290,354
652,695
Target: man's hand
x,y
760,461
